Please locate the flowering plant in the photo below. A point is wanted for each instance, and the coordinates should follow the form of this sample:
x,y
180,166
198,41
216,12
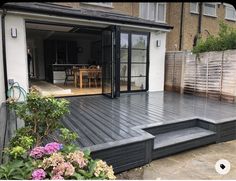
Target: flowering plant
x,y
56,161
28,158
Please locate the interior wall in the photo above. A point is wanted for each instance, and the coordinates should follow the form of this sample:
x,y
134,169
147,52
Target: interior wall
x,y
157,61
16,51
40,58
84,41
2,85
35,41
86,56
37,46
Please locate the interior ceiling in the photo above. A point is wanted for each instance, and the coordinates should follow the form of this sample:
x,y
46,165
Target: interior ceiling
x,y
50,31
48,27
45,34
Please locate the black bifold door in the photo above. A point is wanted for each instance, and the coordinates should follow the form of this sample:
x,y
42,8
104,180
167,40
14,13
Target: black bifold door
x,y
111,61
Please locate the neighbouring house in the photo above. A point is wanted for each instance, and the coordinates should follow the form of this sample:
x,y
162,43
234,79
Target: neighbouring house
x,y
191,19
69,49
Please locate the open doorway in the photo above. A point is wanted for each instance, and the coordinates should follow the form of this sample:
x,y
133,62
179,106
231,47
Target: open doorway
x,y
64,60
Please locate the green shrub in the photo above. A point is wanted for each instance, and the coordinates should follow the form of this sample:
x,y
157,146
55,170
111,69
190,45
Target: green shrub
x,y
41,115
225,40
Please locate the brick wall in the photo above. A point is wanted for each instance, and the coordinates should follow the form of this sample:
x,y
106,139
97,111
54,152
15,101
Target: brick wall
x,y
173,16
190,25
125,8
173,13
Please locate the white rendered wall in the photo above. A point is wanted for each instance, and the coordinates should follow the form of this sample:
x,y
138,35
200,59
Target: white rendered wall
x,y
16,53
157,62
2,85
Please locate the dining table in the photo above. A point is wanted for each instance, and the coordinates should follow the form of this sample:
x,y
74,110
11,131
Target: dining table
x,y
81,72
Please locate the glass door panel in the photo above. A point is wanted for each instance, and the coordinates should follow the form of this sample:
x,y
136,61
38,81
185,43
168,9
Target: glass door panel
x,y
138,62
107,63
133,61
124,57
139,56
138,70
138,83
110,67
139,41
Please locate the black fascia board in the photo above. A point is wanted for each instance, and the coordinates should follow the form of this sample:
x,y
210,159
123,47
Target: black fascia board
x,y
66,12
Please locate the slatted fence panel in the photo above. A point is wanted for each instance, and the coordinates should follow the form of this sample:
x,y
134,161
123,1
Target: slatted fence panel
x,y
229,76
173,70
210,74
189,77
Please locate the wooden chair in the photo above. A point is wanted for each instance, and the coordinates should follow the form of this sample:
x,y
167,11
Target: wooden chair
x,y
69,75
92,75
84,77
99,77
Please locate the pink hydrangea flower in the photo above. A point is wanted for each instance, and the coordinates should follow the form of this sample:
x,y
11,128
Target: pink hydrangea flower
x,y
57,177
38,174
65,168
37,152
69,169
52,147
78,157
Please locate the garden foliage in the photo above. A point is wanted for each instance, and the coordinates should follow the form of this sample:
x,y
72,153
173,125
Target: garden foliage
x,y
225,40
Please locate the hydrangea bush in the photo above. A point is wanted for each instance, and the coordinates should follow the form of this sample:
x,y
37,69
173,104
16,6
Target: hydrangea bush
x,y
27,156
55,161
57,164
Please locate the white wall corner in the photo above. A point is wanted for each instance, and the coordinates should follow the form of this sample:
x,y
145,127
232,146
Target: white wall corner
x,y
157,61
16,51
2,85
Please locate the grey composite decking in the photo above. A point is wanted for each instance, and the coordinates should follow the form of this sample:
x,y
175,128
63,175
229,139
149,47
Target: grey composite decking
x,y
99,120
125,131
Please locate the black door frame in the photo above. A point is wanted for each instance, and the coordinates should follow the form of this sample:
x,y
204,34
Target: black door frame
x,y
129,60
115,62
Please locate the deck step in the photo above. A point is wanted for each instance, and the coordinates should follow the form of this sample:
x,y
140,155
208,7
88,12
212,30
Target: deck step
x,y
179,140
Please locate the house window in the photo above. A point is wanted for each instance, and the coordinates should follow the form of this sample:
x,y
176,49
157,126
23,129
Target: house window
x,y
209,9
160,12
230,12
153,11
194,8
103,4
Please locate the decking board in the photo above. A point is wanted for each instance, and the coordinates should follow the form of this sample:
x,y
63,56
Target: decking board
x,y
118,118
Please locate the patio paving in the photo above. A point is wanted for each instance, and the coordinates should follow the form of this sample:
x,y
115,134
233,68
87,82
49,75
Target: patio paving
x,y
194,164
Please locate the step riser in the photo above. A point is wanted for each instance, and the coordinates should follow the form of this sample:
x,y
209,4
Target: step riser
x,y
172,149
223,132
172,127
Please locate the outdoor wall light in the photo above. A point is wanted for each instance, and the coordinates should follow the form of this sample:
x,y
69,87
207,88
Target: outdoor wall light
x,y
13,32
158,43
